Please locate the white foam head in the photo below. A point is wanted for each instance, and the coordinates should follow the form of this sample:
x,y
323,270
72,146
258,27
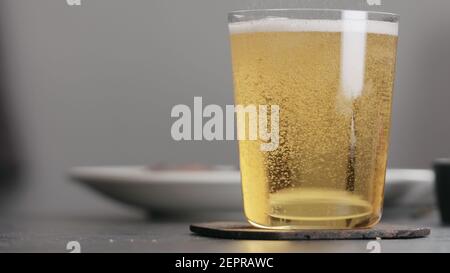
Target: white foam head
x,y
279,24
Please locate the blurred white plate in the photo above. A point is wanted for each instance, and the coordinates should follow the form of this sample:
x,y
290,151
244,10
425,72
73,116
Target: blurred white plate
x,y
409,188
214,190
165,191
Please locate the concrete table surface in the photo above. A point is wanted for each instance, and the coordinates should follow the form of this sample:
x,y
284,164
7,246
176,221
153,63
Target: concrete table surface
x,y
126,233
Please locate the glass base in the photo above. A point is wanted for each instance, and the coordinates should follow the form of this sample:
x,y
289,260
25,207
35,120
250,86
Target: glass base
x,y
317,210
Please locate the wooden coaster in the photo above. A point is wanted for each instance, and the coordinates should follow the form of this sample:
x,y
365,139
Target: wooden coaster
x,y
245,231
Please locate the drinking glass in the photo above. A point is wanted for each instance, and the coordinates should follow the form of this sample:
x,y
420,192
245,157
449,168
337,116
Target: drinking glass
x,y
331,75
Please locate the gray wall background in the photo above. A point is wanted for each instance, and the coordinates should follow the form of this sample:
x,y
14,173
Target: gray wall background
x,y
94,85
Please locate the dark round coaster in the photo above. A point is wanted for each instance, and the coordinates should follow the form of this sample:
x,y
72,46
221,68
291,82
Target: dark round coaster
x,y
244,231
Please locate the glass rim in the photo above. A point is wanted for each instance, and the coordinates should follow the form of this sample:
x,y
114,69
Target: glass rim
x,y
255,11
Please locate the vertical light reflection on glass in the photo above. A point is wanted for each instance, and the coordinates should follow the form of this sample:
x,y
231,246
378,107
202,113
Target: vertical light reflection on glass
x,y
353,52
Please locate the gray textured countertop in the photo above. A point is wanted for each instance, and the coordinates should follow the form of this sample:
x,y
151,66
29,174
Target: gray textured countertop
x,y
126,233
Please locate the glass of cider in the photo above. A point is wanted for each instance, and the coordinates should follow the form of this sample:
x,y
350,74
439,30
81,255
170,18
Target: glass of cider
x,y
331,73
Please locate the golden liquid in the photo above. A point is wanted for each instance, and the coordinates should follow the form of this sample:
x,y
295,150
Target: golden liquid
x,y
329,169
